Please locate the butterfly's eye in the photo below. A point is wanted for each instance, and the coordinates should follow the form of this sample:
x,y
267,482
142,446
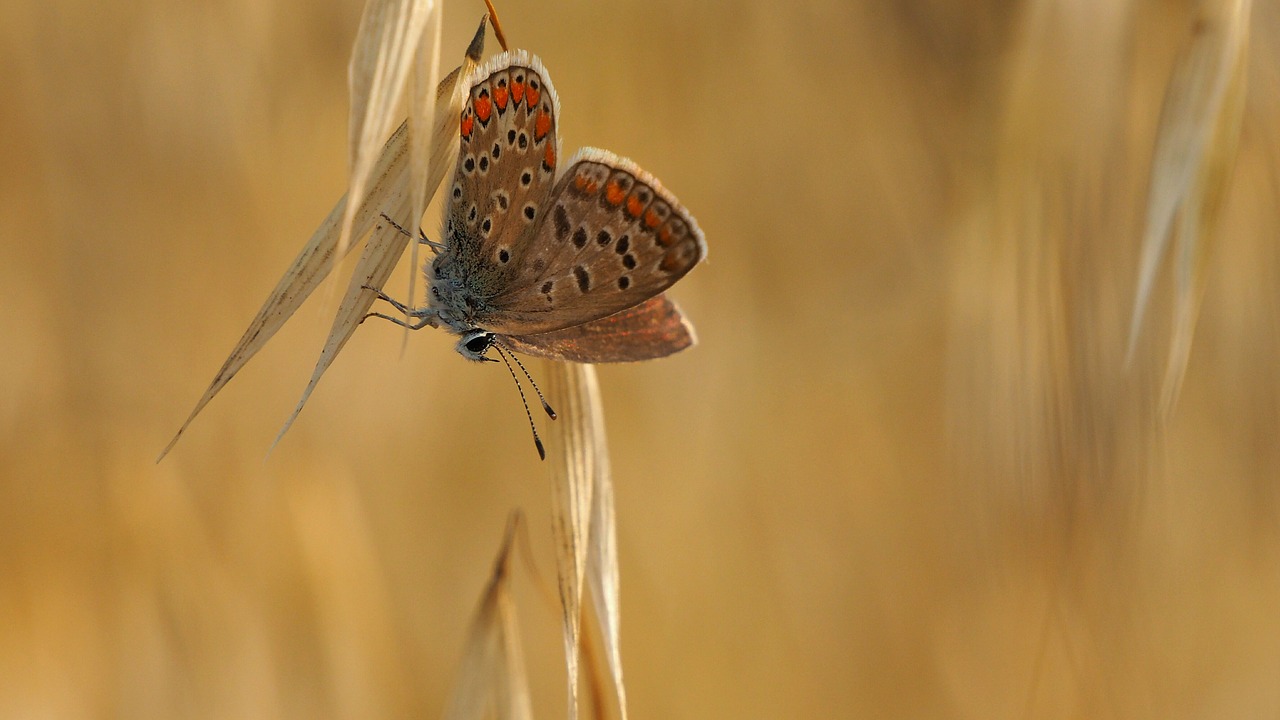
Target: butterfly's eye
x,y
435,291
478,344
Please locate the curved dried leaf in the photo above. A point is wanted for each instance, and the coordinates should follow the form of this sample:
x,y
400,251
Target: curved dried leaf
x,y
1200,216
385,50
492,671
386,193
387,243
602,565
422,113
583,522
574,451
379,258
308,270
422,110
1197,102
429,160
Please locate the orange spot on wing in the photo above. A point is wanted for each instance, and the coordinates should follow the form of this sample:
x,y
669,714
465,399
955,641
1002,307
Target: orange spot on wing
x,y
671,262
634,206
467,123
550,158
651,219
533,96
592,187
500,97
541,126
580,182
613,194
517,92
484,108
664,236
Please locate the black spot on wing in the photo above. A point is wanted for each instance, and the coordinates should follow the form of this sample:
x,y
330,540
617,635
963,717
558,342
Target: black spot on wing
x,y
561,219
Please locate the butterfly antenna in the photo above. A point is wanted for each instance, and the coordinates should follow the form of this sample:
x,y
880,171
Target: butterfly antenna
x,y
537,442
422,237
550,413
397,226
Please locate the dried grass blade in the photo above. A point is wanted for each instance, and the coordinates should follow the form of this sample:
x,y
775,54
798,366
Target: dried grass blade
x,y
577,454
317,258
385,49
512,691
422,112
492,671
602,554
1194,105
379,258
1200,217
430,160
308,270
585,530
387,244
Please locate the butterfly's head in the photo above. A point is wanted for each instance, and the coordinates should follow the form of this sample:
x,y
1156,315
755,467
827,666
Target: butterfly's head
x,y
474,344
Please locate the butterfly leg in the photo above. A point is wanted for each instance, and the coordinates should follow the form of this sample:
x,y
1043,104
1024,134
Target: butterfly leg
x,y
425,315
423,321
392,301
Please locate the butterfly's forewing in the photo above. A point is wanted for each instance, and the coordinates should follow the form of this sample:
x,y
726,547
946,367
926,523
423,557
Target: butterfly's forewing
x,y
612,238
506,167
655,328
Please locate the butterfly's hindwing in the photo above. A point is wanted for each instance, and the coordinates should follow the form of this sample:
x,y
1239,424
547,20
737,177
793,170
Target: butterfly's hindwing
x,y
653,329
506,168
612,238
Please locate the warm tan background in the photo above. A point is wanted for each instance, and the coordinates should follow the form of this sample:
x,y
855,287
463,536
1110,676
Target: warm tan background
x,y
904,474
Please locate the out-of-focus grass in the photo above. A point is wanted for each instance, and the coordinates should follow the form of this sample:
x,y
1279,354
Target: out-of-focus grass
x,y
903,474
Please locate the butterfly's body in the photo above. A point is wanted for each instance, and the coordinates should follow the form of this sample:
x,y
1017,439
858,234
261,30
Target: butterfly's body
x,y
567,265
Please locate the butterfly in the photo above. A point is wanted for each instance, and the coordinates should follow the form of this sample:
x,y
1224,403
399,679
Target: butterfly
x,y
563,263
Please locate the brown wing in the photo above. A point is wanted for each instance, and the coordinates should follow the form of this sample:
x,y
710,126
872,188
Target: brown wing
x,y
506,166
612,238
653,329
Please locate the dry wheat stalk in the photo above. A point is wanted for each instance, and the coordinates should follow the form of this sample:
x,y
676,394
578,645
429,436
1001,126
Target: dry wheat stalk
x,y
398,177
1196,142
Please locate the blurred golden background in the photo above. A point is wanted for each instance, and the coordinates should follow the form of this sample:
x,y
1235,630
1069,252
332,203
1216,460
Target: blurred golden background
x,y
905,474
